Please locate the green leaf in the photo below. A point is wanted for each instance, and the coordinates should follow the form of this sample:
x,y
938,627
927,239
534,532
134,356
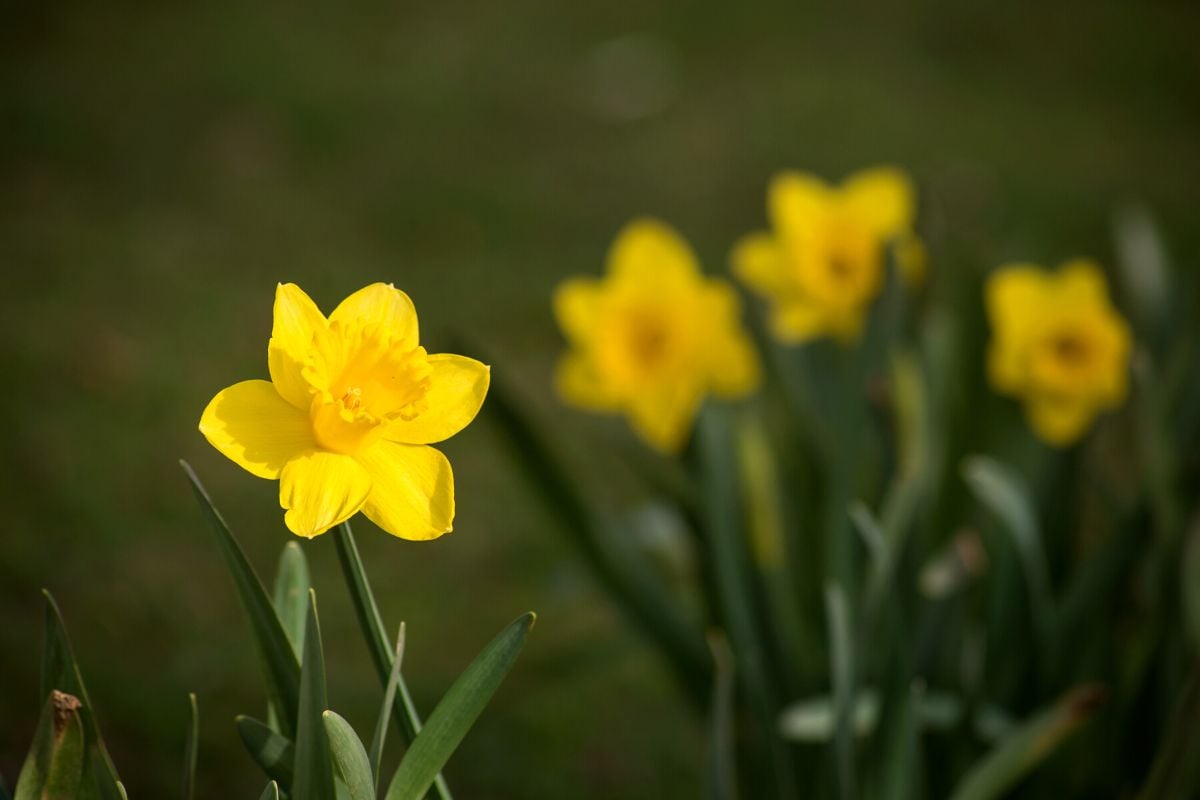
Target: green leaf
x,y
385,711
1005,494
290,595
278,658
272,751
623,574
722,760
59,671
350,763
313,775
371,623
54,768
1029,745
841,668
1176,769
271,792
190,751
736,592
457,712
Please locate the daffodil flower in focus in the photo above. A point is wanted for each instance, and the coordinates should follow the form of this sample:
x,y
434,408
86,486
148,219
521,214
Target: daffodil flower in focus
x,y
823,261
1058,345
653,336
346,420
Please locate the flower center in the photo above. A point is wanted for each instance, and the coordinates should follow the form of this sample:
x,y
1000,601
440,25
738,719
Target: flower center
x,y
366,379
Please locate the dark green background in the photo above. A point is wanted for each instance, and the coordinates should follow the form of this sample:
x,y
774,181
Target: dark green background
x,y
162,166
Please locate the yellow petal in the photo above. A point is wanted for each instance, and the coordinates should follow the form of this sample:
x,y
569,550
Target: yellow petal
x,y
576,306
384,305
732,360
1082,281
759,262
881,199
412,495
664,415
578,383
1060,421
652,255
297,321
1016,301
797,204
320,489
798,321
256,428
457,387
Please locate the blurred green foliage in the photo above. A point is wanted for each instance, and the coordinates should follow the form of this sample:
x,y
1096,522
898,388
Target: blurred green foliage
x,y
164,166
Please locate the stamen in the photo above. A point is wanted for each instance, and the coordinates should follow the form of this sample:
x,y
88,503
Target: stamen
x,y
352,399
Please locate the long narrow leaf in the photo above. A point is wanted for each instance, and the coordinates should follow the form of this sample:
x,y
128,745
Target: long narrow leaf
x,y
290,594
626,578
59,671
724,512
1005,494
385,711
190,750
271,792
54,768
1176,769
279,660
350,763
312,769
457,712
722,762
273,752
1029,745
841,667
375,634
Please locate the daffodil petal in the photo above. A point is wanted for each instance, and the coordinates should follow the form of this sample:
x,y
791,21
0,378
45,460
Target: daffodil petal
x,y
664,415
761,263
798,321
576,307
912,258
1060,421
1082,281
412,492
296,321
578,383
732,359
882,199
651,255
384,305
457,387
251,425
1015,301
797,204
320,489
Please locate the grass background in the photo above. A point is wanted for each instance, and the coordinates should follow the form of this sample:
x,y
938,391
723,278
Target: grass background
x,y
162,166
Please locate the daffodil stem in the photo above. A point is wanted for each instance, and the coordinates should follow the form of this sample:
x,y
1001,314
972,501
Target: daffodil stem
x,y
376,637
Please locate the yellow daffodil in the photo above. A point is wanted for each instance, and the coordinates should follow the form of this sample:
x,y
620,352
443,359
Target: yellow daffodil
x,y
345,422
822,263
1058,344
653,336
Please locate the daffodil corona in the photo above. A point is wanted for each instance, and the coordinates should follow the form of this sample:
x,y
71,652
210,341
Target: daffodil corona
x,y
822,263
653,336
1058,344
345,422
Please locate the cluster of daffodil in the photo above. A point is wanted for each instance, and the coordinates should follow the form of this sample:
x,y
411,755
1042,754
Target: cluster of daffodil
x,y
654,336
856,559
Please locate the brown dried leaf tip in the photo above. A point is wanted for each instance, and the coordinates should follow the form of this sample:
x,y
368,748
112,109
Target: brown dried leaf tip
x,y
66,706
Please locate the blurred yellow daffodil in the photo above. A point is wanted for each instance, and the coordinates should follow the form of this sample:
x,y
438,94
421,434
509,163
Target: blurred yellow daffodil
x,y
822,263
345,422
1057,344
653,336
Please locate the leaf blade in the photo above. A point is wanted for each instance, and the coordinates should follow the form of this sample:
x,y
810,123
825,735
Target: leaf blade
x,y
312,768
350,762
274,753
457,712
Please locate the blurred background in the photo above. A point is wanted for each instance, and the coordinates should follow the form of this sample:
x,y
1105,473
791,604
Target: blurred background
x,y
163,166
